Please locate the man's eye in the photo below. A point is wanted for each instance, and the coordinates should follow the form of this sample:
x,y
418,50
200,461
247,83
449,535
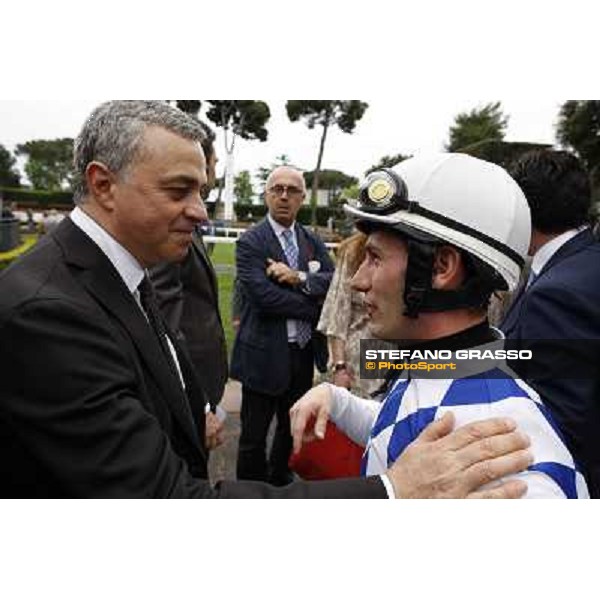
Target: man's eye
x,y
177,192
373,258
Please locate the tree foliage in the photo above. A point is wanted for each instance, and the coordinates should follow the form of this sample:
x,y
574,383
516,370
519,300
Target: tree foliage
x,y
242,187
578,128
330,179
263,173
387,162
245,118
343,113
480,124
350,193
238,118
501,153
325,113
191,107
49,163
9,176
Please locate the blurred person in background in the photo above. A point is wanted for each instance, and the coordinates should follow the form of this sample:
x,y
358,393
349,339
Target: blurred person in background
x,y
556,315
187,294
344,320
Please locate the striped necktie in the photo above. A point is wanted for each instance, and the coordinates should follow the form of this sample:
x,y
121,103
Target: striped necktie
x,y
303,328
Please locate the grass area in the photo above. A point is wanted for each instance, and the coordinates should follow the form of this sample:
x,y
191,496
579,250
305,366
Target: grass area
x,y
223,255
28,240
225,293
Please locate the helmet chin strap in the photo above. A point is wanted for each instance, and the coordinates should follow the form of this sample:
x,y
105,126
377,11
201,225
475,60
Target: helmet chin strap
x,y
417,284
420,297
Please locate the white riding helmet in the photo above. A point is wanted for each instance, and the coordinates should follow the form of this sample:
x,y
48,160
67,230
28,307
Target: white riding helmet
x,y
452,198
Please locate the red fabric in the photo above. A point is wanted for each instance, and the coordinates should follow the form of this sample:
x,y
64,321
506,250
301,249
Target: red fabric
x,y
333,457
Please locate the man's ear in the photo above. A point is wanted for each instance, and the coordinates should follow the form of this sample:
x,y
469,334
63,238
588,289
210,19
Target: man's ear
x,y
100,183
448,269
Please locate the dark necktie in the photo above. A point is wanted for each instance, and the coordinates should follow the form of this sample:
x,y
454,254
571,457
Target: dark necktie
x,y
148,301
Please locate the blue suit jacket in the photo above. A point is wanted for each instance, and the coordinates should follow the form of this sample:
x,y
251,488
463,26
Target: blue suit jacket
x,y
563,303
261,358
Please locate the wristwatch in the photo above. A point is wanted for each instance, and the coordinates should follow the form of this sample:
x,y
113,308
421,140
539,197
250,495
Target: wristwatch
x,y
339,365
301,277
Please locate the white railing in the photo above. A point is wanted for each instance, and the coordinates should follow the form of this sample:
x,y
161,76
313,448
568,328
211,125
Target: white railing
x,y
236,231
219,239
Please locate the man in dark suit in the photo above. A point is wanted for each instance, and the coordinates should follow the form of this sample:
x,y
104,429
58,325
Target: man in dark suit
x,y
95,393
557,314
284,271
188,297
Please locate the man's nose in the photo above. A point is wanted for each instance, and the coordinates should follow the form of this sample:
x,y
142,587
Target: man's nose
x,y
360,281
196,209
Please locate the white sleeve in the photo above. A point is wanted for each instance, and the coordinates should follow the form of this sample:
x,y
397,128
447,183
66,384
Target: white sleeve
x,y
353,415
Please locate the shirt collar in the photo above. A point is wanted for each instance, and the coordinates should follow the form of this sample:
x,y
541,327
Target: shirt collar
x,y
126,265
278,228
549,249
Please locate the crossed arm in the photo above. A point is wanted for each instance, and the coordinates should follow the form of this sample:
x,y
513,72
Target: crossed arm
x,y
266,294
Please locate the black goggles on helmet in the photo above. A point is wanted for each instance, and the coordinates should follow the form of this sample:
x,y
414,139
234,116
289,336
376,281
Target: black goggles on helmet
x,y
384,192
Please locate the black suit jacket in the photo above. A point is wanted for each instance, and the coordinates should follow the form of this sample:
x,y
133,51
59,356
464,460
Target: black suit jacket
x,y
558,319
188,296
261,357
89,405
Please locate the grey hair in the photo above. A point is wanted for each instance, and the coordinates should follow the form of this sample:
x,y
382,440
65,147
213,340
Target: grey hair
x,y
113,132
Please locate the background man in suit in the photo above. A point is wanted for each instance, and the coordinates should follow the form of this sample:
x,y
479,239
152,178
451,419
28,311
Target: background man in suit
x,y
95,393
284,271
561,302
188,296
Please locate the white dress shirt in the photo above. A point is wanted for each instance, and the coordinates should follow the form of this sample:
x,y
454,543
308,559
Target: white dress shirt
x,y
549,249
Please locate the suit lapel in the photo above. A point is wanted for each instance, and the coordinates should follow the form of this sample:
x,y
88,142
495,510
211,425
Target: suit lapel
x,y
104,283
511,317
574,245
305,249
274,249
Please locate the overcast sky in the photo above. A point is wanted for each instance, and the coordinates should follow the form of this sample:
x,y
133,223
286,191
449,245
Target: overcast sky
x,y
407,125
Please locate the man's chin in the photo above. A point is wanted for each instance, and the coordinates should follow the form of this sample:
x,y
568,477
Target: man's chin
x,y
382,333
177,253
374,331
